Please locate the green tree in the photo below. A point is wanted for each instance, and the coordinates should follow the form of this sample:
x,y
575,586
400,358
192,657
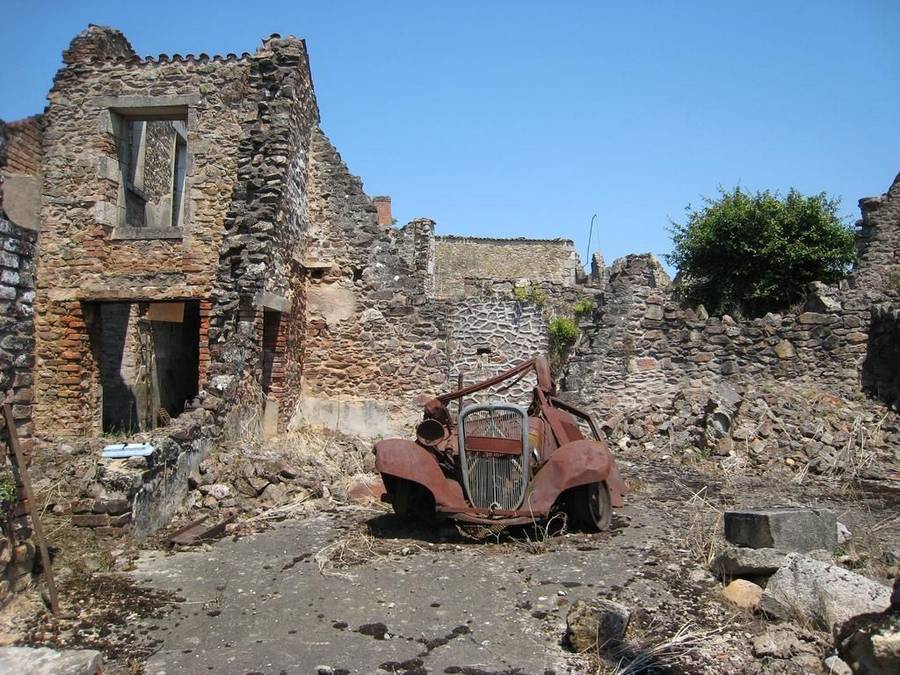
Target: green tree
x,y
755,253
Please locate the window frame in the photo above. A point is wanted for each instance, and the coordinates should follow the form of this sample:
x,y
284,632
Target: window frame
x,y
116,111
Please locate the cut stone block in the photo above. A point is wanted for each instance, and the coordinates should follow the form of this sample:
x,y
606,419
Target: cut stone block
x,y
789,529
736,561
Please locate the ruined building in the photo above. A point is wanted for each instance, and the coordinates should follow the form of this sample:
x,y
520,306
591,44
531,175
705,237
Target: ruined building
x,y
203,244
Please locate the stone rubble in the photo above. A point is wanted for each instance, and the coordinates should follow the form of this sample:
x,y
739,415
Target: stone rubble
x,y
824,594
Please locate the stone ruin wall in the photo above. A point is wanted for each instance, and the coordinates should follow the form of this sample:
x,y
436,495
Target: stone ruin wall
x,y
642,353
17,251
261,251
380,339
374,340
878,282
459,260
80,257
20,171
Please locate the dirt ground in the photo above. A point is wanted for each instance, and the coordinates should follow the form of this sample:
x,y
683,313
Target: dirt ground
x,y
353,589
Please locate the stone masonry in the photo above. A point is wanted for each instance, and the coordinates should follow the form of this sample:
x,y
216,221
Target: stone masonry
x,y
645,360
17,250
458,259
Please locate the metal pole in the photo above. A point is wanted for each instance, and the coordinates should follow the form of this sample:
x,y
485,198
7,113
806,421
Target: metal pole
x,y
587,253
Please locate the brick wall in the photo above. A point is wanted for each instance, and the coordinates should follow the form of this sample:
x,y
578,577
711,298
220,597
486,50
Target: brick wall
x,y
23,152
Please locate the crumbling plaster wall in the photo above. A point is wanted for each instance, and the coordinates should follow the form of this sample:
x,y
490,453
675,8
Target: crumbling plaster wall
x,y
20,172
457,259
379,343
374,340
644,347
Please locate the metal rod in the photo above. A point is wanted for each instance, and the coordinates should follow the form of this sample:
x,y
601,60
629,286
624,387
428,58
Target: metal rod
x,y
21,473
587,253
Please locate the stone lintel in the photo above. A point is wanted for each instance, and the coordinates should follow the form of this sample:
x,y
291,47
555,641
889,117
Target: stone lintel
x,y
148,107
147,233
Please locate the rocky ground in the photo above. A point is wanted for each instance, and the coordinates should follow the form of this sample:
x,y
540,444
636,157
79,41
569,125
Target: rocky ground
x,y
317,582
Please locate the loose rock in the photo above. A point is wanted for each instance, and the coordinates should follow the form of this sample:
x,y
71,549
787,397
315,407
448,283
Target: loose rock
x,y
820,592
596,624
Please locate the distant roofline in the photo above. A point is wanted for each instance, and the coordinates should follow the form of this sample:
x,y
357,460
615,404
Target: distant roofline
x,y
514,240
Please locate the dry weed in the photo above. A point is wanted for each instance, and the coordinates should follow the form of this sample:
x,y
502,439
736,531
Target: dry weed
x,y
705,525
646,652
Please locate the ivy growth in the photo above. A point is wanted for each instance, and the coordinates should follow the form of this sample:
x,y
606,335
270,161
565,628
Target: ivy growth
x,y
531,293
8,492
563,334
584,306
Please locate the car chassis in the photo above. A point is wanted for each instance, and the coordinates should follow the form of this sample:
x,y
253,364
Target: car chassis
x,y
499,464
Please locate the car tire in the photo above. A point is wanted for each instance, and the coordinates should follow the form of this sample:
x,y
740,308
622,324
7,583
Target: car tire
x,y
412,501
593,507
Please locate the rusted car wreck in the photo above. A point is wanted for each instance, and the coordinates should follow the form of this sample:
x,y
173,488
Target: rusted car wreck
x,y
500,464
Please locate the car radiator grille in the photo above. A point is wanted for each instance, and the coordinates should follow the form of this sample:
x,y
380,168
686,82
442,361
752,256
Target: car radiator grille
x,y
494,480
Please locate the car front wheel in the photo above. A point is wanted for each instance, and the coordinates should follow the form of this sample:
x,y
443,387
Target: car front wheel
x,y
593,506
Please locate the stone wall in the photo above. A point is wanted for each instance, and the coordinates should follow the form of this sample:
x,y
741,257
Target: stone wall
x,y
261,251
378,341
643,351
82,259
248,121
489,335
540,260
374,340
17,250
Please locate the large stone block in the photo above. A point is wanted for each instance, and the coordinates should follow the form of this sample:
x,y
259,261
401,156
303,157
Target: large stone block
x,y
44,661
828,595
795,529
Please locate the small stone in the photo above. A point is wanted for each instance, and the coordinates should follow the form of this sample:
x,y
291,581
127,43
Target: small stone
x,y
743,593
217,491
834,665
137,463
735,561
784,350
597,624
843,534
777,643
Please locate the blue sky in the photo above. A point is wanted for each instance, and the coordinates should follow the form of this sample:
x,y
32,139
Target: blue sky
x,y
525,118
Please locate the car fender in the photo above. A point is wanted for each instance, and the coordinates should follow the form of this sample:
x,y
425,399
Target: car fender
x,y
404,459
576,463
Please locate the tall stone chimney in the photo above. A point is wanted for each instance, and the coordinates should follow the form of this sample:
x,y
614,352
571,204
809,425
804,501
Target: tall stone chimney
x,y
383,206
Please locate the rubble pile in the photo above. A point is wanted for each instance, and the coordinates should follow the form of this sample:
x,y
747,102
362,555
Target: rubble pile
x,y
772,426
292,470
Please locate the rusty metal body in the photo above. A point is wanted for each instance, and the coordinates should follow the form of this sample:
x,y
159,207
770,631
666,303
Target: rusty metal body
x,y
500,464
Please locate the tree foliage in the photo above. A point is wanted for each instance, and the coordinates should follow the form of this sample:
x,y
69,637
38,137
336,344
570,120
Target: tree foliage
x,y
755,253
